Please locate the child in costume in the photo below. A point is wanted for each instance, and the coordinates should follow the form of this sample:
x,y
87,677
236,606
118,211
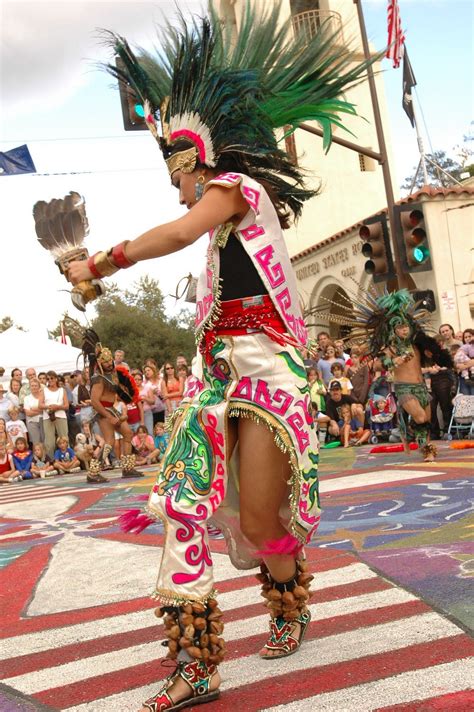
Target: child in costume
x,y
213,109
22,459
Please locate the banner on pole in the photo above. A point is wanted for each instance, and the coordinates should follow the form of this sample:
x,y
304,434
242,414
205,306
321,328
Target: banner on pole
x,y
16,161
396,38
409,82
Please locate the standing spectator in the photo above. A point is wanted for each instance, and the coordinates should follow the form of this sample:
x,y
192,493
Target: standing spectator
x,y
464,363
442,384
153,379
340,353
358,372
326,363
22,459
5,403
33,412
172,388
119,357
65,459
17,374
54,404
25,389
338,375
42,378
323,340
147,397
14,395
15,426
7,471
5,437
82,397
446,331
181,361
73,423
135,415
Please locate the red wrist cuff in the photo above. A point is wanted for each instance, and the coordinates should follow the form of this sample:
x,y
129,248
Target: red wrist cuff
x,y
119,257
93,268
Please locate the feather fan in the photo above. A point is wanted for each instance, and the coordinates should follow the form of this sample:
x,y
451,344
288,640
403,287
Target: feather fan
x,y
61,225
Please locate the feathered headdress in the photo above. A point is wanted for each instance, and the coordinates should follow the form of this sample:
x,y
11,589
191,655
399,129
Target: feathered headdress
x,y
95,354
373,318
216,98
61,227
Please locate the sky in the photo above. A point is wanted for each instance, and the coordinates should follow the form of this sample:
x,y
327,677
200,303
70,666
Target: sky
x,y
54,98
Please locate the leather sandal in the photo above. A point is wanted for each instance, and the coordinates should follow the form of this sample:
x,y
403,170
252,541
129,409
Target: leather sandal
x,y
198,676
281,636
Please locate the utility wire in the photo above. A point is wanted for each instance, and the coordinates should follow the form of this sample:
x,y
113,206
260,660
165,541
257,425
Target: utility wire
x,y
75,138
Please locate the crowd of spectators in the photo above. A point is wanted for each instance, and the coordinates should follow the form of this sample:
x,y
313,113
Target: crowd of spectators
x,y
351,393
47,422
48,425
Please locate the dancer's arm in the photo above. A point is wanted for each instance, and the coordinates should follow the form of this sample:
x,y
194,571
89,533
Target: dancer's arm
x,y
217,206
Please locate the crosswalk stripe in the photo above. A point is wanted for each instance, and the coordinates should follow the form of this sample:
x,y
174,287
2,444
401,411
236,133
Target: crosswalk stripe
x,y
247,671
36,642
377,695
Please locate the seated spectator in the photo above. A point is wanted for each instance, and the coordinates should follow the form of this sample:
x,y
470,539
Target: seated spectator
x,y
381,413
34,414
22,459
7,470
338,375
144,447
334,402
326,363
5,437
5,403
65,459
42,465
16,427
161,439
352,431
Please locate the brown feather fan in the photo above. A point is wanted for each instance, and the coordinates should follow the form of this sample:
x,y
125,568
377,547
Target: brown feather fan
x,y
61,227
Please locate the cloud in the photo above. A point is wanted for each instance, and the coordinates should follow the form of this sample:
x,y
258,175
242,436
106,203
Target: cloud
x,y
44,45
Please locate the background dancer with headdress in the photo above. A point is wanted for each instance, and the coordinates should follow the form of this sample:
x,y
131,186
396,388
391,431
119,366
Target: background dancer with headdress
x,y
394,327
243,451
107,383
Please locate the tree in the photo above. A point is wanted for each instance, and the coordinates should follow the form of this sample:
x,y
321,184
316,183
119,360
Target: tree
x,y
135,320
436,177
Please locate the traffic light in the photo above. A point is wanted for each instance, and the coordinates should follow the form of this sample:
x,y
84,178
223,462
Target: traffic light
x,y
412,237
374,234
133,113
425,298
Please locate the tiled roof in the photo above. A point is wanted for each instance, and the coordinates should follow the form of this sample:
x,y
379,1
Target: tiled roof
x,y
427,190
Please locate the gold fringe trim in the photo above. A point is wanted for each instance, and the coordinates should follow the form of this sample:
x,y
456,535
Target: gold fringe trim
x,y
284,443
170,598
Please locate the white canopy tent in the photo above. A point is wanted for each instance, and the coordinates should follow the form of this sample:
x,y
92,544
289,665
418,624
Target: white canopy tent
x,y
24,349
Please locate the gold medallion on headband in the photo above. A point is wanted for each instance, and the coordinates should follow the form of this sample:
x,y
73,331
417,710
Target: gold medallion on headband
x,y
184,161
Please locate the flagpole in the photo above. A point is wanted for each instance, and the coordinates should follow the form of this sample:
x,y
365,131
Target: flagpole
x,y
402,278
421,147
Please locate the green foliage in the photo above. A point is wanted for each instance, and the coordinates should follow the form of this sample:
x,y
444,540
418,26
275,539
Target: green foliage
x,y
135,320
436,177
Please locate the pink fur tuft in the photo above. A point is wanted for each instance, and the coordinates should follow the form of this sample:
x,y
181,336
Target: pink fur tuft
x,y
287,544
133,520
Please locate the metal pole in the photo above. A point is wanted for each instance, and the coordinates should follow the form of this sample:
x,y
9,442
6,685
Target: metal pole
x,y
421,147
343,142
402,279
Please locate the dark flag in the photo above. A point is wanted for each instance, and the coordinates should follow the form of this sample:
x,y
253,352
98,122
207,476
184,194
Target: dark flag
x,y
409,81
17,160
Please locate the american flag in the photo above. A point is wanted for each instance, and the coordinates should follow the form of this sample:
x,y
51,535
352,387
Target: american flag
x,y
396,38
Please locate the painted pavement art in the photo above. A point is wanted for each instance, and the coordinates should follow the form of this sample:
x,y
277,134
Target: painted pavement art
x,y
417,532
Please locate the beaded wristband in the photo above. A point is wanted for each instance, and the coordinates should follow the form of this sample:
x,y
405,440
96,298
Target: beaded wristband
x,y
118,256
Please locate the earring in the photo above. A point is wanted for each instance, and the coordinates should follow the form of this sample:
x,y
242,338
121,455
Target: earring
x,y
199,187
